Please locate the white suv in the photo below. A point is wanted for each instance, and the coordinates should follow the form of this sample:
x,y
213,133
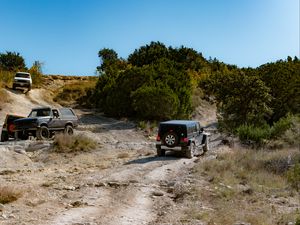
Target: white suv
x,y
22,79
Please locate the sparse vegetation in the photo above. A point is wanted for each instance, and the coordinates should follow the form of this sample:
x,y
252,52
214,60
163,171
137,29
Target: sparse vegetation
x,y
75,143
9,194
75,93
123,155
293,176
242,181
286,131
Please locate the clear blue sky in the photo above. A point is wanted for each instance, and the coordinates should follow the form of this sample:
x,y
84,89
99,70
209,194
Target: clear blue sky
x,y
66,35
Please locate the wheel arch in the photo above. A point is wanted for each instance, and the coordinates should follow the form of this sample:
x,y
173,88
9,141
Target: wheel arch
x,y
69,124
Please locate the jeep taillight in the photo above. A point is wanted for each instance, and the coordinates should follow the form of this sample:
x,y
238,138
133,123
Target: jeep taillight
x,y
185,140
158,138
11,128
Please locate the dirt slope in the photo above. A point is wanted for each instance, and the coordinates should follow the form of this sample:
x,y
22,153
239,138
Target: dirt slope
x,y
121,182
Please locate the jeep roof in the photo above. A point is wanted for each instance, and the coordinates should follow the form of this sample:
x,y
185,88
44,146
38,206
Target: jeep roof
x,y
179,122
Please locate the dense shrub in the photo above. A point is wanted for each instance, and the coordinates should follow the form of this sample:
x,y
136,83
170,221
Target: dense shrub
x,y
250,133
143,91
12,61
242,99
281,126
155,103
279,130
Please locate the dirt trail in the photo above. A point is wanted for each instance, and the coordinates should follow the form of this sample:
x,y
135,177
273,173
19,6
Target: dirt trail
x,y
122,182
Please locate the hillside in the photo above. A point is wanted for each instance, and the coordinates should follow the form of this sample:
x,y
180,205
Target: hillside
x,y
123,182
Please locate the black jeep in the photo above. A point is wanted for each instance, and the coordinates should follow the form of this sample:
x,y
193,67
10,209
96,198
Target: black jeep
x,y
44,122
186,136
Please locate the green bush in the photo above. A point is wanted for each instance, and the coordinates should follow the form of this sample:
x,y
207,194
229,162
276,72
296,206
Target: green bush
x,y
293,176
281,126
297,221
250,133
155,103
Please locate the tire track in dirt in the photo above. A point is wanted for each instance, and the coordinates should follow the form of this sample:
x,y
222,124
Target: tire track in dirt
x,y
128,196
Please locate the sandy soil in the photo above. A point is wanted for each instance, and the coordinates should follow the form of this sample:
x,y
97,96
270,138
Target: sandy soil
x,y
121,182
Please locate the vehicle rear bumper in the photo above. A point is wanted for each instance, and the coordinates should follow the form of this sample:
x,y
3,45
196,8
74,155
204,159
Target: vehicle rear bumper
x,y
177,148
21,84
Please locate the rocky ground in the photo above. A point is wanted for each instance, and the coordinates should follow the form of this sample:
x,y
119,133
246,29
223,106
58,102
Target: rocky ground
x,y
121,182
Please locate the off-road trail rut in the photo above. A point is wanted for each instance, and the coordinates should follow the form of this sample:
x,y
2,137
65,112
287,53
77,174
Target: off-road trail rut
x,y
121,182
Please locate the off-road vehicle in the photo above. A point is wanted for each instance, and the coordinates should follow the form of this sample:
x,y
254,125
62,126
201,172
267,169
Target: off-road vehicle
x,y
42,123
186,136
8,127
22,79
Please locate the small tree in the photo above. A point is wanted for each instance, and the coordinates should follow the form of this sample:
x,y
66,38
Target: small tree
x,y
155,103
12,61
242,99
36,73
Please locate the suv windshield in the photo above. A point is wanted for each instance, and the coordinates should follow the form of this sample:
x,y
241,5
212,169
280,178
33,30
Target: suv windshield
x,y
23,75
40,113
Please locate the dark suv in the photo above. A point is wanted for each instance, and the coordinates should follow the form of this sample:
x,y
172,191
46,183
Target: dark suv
x,y
44,122
186,136
8,127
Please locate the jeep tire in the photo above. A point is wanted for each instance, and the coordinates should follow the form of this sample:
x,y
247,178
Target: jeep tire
x,y
160,152
170,139
4,136
206,146
190,151
43,133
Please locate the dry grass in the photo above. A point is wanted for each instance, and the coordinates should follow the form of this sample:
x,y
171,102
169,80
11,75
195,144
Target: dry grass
x,y
4,98
9,194
244,185
6,78
123,155
72,93
75,143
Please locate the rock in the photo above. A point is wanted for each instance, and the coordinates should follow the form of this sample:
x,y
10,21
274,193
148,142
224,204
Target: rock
x,y
77,204
242,223
1,207
11,216
69,188
210,179
157,193
116,184
100,184
7,172
38,146
245,189
20,150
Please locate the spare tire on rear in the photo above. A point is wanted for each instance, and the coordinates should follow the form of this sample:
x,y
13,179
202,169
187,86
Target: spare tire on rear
x,y
170,139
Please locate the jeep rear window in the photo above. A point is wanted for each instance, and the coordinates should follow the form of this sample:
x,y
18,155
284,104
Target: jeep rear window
x,y
40,113
66,112
164,128
23,75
